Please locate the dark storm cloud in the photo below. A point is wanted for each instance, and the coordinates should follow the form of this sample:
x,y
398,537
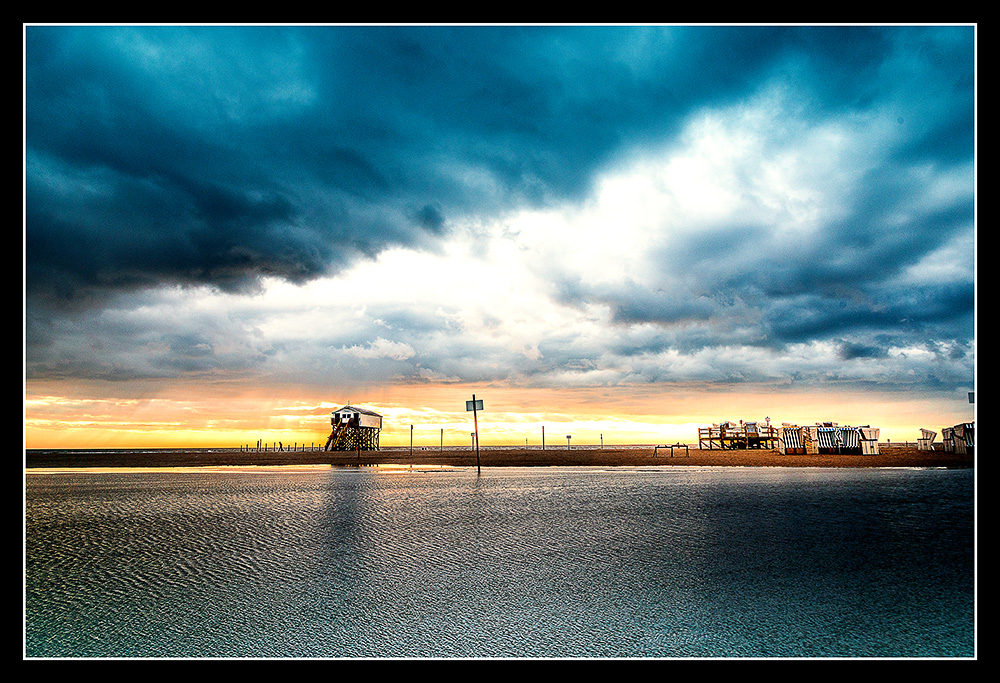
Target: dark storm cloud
x,y
756,283
216,155
849,351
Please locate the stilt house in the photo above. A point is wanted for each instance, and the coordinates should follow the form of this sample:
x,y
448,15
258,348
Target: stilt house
x,y
354,429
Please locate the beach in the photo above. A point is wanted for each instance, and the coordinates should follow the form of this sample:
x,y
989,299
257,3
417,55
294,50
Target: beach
x,y
890,455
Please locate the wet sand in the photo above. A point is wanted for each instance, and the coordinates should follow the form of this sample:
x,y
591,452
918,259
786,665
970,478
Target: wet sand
x,y
890,456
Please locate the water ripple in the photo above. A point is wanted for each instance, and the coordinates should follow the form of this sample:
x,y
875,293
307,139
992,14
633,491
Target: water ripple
x,y
516,563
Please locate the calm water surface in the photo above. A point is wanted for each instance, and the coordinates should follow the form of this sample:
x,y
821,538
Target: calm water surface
x,y
518,562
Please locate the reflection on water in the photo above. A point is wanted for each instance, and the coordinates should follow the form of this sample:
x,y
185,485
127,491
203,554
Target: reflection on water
x,y
551,562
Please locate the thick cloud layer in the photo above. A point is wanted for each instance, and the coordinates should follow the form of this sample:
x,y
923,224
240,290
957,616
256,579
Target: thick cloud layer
x,y
789,189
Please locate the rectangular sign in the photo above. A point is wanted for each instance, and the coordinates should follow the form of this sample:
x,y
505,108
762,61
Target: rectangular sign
x,y
478,404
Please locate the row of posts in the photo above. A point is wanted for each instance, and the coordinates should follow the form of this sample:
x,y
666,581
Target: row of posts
x,y
475,437
278,446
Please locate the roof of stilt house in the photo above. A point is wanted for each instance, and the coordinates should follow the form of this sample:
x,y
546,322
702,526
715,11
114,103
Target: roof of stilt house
x,y
357,409
364,416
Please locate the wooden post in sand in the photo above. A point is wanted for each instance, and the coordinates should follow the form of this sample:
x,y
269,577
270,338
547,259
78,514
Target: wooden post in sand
x,y
475,406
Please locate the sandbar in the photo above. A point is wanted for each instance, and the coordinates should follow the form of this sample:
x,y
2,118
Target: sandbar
x,y
890,455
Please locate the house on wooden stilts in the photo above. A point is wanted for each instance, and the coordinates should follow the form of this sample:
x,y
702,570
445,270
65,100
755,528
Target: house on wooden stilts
x,y
354,429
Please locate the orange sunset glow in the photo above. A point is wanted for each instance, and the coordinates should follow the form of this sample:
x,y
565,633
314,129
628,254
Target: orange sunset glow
x,y
510,417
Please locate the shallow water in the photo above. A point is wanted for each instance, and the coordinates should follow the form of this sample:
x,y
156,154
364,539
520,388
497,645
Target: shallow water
x,y
517,562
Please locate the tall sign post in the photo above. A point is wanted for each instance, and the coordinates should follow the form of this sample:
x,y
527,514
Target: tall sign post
x,y
475,406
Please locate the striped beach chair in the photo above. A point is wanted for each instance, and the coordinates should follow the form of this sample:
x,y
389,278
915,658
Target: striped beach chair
x,y
825,437
839,439
790,440
926,440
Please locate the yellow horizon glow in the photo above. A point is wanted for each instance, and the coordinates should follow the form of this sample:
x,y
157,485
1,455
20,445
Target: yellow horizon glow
x,y
619,415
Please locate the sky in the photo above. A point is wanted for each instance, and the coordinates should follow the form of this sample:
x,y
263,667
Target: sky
x,y
618,233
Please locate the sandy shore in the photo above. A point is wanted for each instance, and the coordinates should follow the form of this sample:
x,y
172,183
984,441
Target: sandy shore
x,y
890,456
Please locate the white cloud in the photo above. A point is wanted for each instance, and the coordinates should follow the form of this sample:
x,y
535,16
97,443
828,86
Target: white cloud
x,y
382,348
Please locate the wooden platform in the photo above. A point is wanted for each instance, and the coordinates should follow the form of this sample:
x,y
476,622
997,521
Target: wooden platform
x,y
731,436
